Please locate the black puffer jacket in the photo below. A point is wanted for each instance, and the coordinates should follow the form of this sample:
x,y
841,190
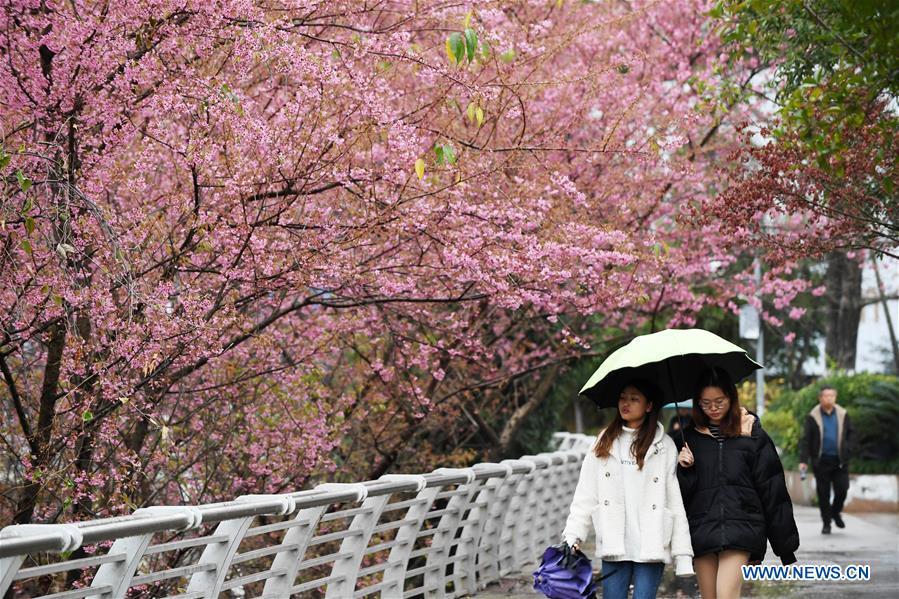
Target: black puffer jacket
x,y
735,494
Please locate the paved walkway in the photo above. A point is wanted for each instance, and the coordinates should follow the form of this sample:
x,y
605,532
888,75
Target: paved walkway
x,y
871,539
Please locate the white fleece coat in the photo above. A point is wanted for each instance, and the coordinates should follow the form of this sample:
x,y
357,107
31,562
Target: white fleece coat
x,y
599,499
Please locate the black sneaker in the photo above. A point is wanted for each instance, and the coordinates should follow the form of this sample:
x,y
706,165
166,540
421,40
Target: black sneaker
x,y
838,520
826,529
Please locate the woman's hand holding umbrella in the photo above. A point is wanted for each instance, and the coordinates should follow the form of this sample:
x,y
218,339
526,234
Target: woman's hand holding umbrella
x,y
685,457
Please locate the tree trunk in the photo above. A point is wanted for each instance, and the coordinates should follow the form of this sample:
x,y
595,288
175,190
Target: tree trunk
x,y
46,414
844,308
578,415
881,293
383,466
518,417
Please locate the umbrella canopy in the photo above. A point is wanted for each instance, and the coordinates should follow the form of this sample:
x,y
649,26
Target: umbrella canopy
x,y
672,359
556,581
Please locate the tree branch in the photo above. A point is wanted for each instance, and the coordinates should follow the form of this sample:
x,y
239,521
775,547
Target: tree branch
x,y
17,403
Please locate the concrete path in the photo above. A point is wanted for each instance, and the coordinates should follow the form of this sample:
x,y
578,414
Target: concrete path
x,y
868,539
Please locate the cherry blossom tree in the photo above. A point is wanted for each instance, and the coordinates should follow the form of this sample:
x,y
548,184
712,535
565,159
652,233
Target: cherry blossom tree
x,y
246,244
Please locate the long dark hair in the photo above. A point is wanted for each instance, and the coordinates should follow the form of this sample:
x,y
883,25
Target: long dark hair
x,y
647,432
716,377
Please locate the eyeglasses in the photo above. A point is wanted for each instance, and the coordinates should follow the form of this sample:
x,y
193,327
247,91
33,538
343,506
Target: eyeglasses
x,y
718,403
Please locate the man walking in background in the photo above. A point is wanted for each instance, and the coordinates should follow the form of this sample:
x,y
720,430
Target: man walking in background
x,y
825,444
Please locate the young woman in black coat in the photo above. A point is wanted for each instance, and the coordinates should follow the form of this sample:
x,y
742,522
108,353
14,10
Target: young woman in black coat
x,y
733,488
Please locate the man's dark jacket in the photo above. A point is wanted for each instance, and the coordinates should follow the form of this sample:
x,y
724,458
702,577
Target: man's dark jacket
x,y
813,431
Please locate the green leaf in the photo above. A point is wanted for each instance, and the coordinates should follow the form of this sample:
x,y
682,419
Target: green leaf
x,y
4,159
26,245
24,181
508,55
235,99
479,115
420,168
438,150
471,43
467,20
456,47
471,110
449,51
485,51
29,204
29,225
449,154
87,416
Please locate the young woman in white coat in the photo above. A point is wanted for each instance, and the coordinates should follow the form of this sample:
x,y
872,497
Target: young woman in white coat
x,y
628,492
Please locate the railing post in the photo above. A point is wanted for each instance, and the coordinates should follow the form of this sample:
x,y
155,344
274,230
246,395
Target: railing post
x,y
69,536
118,575
288,560
554,489
491,550
535,509
347,568
435,573
398,558
8,568
515,525
209,582
563,440
567,481
551,486
479,518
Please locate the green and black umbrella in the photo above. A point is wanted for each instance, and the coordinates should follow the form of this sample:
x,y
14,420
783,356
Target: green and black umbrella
x,y
673,359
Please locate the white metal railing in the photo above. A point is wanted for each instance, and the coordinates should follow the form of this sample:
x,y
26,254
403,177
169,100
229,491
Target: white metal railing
x,y
444,534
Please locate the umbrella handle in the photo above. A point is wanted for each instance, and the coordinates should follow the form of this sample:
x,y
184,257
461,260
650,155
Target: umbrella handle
x,y
680,428
676,407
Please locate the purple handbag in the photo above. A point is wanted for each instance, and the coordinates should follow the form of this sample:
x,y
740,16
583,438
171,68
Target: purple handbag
x,y
565,574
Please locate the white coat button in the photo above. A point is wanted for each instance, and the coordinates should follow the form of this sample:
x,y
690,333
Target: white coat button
x,y
606,502
653,506
655,479
608,474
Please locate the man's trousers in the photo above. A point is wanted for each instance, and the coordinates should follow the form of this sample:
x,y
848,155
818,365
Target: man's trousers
x,y
828,474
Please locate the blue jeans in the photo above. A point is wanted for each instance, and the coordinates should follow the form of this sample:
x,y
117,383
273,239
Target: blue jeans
x,y
619,575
